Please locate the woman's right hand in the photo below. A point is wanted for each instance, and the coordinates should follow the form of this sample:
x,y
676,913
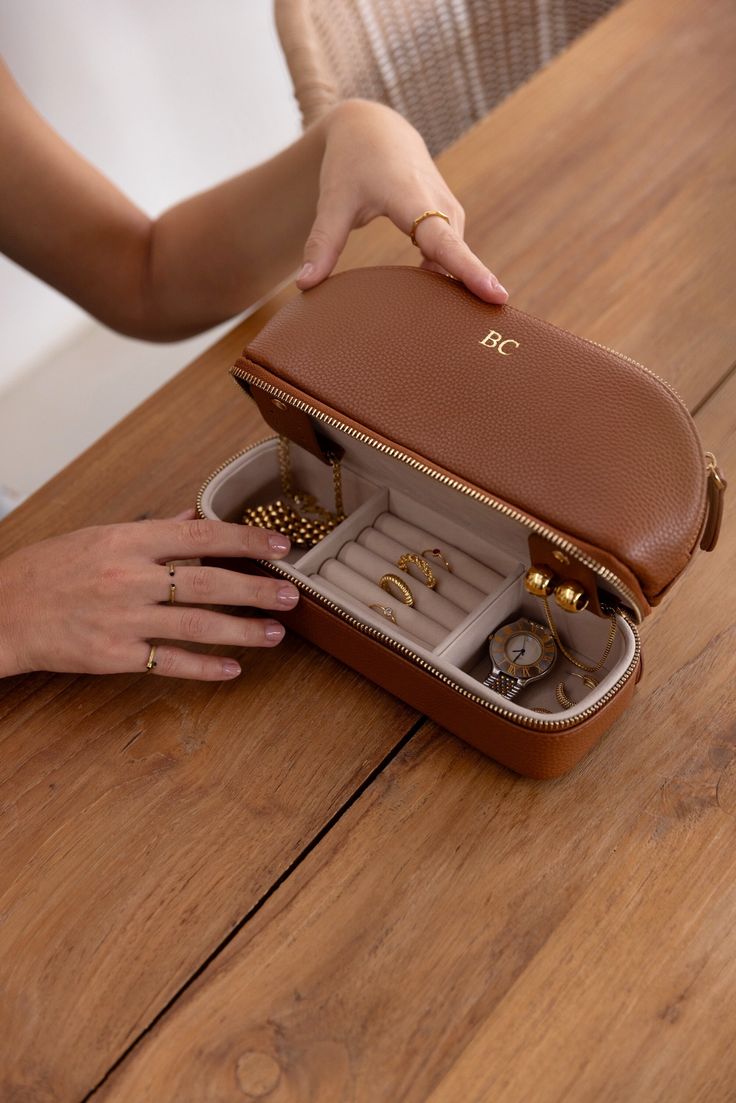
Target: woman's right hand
x,y
91,601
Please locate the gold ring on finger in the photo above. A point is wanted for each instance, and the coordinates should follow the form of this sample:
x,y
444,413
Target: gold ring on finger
x,y
151,658
172,593
421,218
418,561
386,581
172,569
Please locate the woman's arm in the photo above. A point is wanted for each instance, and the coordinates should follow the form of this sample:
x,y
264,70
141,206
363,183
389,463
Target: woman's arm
x,y
216,253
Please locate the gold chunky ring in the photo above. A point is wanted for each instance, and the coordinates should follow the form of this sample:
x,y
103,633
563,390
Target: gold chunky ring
x,y
386,581
151,658
422,564
421,218
385,611
435,553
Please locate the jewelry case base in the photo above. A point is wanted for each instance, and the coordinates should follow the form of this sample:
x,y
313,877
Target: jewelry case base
x,y
443,681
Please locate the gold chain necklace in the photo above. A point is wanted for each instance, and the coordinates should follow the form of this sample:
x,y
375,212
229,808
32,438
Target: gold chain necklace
x,y
297,514
566,653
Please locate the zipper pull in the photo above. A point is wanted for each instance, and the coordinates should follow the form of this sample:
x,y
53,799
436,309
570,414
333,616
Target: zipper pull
x,y
714,513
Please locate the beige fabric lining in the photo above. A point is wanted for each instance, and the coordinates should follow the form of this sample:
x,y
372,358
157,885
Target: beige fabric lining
x,y
377,486
449,584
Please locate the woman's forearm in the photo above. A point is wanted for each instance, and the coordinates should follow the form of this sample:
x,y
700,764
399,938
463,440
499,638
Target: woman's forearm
x,y
201,262
211,256
214,254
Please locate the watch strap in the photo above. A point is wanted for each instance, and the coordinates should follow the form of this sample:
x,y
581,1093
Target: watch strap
x,y
503,684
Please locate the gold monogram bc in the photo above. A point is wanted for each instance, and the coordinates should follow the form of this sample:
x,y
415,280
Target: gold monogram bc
x,y
494,340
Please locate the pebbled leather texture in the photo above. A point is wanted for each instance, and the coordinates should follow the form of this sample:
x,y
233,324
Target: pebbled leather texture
x,y
574,435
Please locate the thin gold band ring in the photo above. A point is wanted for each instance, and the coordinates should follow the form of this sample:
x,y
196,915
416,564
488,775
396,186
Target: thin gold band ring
x,y
385,611
421,218
438,554
151,658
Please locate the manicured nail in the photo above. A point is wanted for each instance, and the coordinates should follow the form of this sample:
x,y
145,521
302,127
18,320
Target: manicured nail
x,y
230,668
278,543
274,631
287,595
496,285
306,271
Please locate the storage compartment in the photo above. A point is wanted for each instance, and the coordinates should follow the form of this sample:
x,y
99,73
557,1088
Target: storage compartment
x,y
393,510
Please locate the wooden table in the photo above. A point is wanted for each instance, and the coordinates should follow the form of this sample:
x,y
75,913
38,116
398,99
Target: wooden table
x,y
295,888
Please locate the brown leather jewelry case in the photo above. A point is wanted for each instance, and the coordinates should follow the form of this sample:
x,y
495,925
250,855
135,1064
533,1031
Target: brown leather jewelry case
x,y
496,504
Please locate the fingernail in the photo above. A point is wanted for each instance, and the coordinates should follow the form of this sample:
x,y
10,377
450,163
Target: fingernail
x,y
274,632
287,595
230,668
306,271
278,543
496,285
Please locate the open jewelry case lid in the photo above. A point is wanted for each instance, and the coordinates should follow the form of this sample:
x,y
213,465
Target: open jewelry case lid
x,y
593,453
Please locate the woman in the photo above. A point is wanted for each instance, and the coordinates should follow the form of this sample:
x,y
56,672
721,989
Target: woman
x,y
90,601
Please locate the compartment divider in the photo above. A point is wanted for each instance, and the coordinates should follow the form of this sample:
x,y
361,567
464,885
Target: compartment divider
x,y
328,548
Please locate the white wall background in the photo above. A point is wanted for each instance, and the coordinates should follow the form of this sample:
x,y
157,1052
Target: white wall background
x,y
166,97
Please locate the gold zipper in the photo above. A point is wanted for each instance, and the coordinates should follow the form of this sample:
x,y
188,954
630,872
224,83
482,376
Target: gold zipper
x,y
232,459
406,652
446,480
630,360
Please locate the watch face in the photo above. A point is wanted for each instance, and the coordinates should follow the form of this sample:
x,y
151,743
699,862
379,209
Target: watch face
x,y
523,649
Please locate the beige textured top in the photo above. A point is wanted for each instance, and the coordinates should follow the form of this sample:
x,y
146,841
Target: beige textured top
x,y
443,64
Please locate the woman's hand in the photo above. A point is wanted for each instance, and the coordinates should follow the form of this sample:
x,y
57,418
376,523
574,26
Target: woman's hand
x,y
375,163
212,255
92,601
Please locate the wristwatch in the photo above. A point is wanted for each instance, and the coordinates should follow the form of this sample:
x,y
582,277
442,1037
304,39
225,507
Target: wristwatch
x,y
521,652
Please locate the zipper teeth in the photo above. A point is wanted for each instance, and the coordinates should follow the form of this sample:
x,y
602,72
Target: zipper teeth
x,y
216,472
446,480
417,660
644,368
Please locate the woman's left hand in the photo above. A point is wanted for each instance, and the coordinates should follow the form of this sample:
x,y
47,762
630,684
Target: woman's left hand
x,y
375,163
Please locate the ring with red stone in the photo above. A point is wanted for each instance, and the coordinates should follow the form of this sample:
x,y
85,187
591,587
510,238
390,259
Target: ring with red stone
x,y
436,553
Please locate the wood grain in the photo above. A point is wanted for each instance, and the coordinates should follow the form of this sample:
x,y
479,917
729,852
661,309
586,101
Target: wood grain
x,y
142,820
605,186
463,934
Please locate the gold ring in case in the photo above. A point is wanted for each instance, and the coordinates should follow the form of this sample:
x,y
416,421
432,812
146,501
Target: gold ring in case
x,y
422,564
436,553
385,611
386,581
